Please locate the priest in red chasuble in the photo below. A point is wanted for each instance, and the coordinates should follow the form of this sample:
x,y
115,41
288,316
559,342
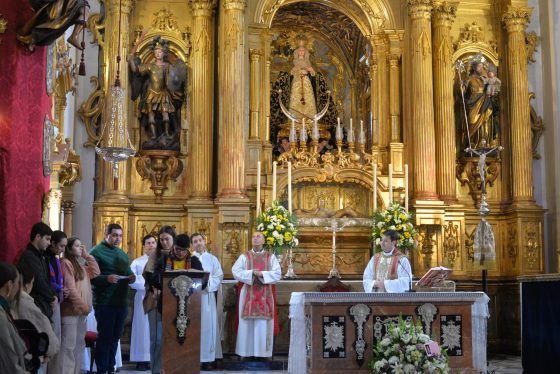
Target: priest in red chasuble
x,y
388,270
258,270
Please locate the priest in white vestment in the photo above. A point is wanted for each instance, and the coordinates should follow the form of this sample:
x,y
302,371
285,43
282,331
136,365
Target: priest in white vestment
x,y
210,303
140,334
388,270
257,269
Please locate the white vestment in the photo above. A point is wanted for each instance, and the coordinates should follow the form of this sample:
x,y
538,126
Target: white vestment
x,y
140,334
403,269
211,327
255,337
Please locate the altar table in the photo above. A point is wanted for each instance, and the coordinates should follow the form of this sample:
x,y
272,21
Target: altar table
x,y
459,318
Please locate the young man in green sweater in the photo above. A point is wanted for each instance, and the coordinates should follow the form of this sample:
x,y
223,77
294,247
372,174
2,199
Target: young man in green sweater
x,y
110,296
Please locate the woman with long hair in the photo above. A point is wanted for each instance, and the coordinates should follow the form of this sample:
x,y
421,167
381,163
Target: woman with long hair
x,y
166,240
76,305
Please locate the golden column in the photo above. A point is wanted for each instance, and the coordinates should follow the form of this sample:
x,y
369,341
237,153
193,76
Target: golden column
x,y
117,20
202,104
373,98
255,94
516,20
419,12
382,91
232,140
394,57
266,38
443,15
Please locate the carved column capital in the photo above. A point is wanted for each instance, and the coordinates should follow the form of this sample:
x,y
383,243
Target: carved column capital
x,y
68,206
124,6
255,54
420,8
202,8
516,18
235,4
444,12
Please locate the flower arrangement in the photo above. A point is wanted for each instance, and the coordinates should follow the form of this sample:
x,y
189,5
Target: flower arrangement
x,y
395,217
403,350
279,228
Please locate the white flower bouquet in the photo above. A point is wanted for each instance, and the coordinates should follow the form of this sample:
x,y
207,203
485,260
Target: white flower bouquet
x,y
395,217
403,351
279,228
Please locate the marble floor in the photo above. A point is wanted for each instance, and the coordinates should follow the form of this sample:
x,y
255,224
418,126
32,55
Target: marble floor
x,y
498,364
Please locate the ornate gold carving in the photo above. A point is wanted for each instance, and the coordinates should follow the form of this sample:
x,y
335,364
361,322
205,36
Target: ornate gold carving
x,y
532,245
90,112
516,18
537,128
68,206
274,7
52,198
419,8
234,36
3,26
378,17
532,40
202,42
467,173
145,230
451,242
97,26
164,20
232,237
71,171
512,244
159,166
204,226
428,243
469,244
472,40
321,262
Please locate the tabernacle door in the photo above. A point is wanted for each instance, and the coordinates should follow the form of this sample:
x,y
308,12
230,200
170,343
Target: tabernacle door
x,y
180,350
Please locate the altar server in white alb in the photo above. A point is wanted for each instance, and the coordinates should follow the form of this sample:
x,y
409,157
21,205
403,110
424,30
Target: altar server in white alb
x,y
140,334
388,270
210,304
257,269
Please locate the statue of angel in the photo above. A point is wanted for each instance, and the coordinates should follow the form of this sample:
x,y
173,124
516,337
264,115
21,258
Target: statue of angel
x,y
160,86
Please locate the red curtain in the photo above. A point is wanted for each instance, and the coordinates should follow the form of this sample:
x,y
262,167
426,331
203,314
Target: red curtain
x,y
23,106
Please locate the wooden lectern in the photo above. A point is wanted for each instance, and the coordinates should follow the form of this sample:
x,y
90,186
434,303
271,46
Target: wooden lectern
x,y
180,346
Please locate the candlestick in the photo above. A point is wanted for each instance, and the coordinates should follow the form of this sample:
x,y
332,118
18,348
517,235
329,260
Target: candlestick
x,y
374,186
315,132
406,187
258,188
274,165
290,186
362,136
390,184
303,133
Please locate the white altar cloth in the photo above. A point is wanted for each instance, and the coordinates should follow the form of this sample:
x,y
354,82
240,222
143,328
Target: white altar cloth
x,y
297,358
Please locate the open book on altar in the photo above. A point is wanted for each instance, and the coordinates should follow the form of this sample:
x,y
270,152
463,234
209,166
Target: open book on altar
x,y
434,277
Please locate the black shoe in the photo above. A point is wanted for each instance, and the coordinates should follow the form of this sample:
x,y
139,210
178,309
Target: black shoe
x,y
142,366
206,366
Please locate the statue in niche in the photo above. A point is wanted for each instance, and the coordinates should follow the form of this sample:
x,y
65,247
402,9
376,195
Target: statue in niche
x,y
322,212
51,19
160,85
481,107
304,91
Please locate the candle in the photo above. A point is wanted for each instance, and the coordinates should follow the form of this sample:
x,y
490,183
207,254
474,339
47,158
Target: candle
x,y
334,239
390,183
315,133
340,203
293,134
362,136
258,188
339,131
374,186
274,164
303,134
406,187
350,133
290,186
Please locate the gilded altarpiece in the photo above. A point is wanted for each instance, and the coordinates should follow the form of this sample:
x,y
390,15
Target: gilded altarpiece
x,y
393,66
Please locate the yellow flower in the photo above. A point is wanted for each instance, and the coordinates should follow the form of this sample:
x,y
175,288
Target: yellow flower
x,y
265,233
278,228
407,235
399,227
287,236
270,240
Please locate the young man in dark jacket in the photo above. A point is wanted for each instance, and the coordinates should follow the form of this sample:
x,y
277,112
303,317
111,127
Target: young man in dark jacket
x,y
34,258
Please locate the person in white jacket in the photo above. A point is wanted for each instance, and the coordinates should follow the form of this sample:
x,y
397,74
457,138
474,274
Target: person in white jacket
x,y
140,334
258,270
210,304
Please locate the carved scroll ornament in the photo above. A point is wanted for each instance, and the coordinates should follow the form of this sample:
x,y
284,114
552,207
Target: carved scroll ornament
x,y
181,287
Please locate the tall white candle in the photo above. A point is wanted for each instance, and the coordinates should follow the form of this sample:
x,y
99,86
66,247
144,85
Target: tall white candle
x,y
290,186
274,165
406,187
258,188
374,186
334,239
390,183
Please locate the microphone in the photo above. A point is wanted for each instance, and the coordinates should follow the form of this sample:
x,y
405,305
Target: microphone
x,y
410,289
